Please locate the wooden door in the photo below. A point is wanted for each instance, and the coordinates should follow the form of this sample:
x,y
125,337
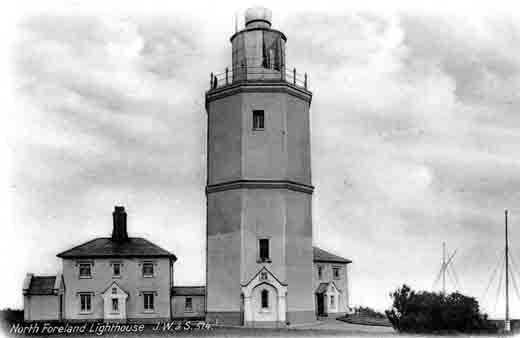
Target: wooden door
x,y
321,304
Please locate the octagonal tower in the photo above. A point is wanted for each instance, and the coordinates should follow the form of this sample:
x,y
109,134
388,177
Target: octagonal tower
x,y
259,189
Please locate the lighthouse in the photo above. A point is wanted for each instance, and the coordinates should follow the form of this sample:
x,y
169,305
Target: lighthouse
x,y
259,188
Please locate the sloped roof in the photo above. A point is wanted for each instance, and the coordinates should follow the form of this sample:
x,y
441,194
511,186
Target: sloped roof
x,y
322,288
105,247
189,290
269,272
325,256
117,285
41,285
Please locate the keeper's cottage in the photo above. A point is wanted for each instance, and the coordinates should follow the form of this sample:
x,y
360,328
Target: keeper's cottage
x,y
261,266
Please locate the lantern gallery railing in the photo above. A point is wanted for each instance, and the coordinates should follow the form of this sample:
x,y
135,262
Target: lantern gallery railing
x,y
244,73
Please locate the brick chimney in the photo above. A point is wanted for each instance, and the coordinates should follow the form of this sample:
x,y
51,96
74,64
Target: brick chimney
x,y
119,233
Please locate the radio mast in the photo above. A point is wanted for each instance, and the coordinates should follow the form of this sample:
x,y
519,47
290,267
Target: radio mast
x,y
507,324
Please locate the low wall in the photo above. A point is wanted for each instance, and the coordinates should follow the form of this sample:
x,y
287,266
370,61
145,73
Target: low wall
x,y
41,307
515,324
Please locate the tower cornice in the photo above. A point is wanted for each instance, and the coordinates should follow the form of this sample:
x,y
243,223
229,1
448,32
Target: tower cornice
x,y
260,86
260,184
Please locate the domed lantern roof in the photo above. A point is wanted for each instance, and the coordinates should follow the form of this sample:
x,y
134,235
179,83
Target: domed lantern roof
x,y
258,17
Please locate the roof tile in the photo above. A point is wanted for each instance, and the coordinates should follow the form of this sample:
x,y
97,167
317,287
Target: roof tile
x,y
189,290
325,256
105,247
322,288
42,285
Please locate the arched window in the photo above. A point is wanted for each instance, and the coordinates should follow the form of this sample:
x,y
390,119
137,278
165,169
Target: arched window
x,y
265,299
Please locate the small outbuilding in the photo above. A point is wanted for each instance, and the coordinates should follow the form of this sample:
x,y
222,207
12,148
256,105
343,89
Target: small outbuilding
x,y
188,301
43,297
331,283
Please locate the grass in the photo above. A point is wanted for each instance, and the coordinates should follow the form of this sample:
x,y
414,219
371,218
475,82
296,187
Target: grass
x,y
365,320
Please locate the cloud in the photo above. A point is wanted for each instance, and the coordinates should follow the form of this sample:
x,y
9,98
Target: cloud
x,y
102,124
405,153
414,136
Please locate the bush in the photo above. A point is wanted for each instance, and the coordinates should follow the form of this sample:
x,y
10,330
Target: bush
x,y
368,312
9,316
424,312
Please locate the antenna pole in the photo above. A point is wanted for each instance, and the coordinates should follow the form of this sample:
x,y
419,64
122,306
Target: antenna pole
x,y
507,324
236,22
444,268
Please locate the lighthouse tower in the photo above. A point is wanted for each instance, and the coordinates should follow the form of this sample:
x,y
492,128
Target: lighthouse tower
x,y
259,189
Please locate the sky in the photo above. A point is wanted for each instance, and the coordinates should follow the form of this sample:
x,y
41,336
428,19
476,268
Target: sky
x,y
414,132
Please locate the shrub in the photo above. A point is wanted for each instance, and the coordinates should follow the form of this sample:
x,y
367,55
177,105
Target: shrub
x,y
433,312
368,312
11,315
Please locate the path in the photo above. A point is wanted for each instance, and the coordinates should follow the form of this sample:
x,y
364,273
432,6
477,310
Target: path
x,y
337,325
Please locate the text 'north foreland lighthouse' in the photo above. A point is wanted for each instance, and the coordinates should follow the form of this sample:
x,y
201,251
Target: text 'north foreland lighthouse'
x,y
259,189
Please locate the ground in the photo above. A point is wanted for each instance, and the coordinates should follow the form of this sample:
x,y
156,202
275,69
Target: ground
x,y
325,328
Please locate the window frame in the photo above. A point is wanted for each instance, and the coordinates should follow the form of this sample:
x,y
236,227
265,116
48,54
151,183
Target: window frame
x,y
258,119
264,276
190,307
332,301
119,265
264,299
266,259
83,308
115,301
145,264
81,265
149,306
338,270
272,55
271,63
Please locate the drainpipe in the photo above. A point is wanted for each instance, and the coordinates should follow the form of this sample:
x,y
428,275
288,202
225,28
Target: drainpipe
x,y
171,288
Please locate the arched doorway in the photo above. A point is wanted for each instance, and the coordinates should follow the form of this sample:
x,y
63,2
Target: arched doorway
x,y
264,301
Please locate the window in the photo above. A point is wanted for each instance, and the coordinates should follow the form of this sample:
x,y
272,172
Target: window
x,y
263,246
116,269
271,59
85,302
147,269
114,291
188,305
265,299
335,273
85,270
332,301
272,52
148,301
320,272
258,119
263,275
115,305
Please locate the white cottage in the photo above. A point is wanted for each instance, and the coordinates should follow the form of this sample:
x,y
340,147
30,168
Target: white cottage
x,y
109,278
